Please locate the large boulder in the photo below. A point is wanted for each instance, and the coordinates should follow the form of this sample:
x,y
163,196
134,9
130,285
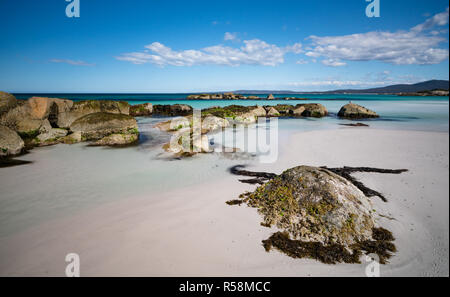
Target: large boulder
x,y
48,108
7,101
83,108
315,205
95,126
140,110
355,111
172,110
21,120
270,97
10,142
315,110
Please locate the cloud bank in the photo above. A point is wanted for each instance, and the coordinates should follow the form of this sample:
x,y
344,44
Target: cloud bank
x,y
253,52
420,45
416,46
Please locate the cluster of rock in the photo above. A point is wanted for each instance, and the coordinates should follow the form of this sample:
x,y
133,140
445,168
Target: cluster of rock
x,y
217,118
47,121
232,96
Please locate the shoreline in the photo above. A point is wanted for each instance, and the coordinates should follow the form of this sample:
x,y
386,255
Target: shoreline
x,y
165,233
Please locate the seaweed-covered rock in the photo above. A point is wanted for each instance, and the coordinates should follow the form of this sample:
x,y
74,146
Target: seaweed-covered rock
x,y
10,142
230,111
355,111
140,110
118,140
315,205
98,125
7,101
83,108
284,109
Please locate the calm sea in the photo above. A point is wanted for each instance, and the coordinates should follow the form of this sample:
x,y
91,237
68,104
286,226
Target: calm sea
x,y
397,112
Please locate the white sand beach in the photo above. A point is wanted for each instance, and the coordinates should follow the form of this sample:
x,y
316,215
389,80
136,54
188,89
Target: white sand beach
x,y
190,231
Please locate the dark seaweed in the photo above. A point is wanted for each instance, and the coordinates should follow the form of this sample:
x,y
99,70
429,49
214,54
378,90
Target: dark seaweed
x,y
334,253
346,172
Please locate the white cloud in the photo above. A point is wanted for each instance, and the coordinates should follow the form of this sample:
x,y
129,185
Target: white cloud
x,y
440,19
415,46
253,52
333,63
71,62
302,62
296,48
230,36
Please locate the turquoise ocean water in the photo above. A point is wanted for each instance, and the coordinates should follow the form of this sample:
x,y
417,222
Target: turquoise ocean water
x,y
397,112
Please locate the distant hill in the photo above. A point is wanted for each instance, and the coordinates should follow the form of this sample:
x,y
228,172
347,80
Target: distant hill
x,y
402,88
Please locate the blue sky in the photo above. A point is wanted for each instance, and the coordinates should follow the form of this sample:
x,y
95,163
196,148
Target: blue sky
x,y
190,46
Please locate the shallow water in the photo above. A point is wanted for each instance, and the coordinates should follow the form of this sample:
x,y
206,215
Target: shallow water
x,y
63,179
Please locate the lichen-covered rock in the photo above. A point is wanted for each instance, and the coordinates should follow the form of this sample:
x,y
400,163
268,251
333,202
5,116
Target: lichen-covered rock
x,y
298,111
355,111
50,137
98,125
212,123
245,119
73,138
272,112
284,109
315,110
10,142
118,140
48,108
21,120
229,112
315,205
7,101
172,110
83,108
259,111
141,110
201,144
